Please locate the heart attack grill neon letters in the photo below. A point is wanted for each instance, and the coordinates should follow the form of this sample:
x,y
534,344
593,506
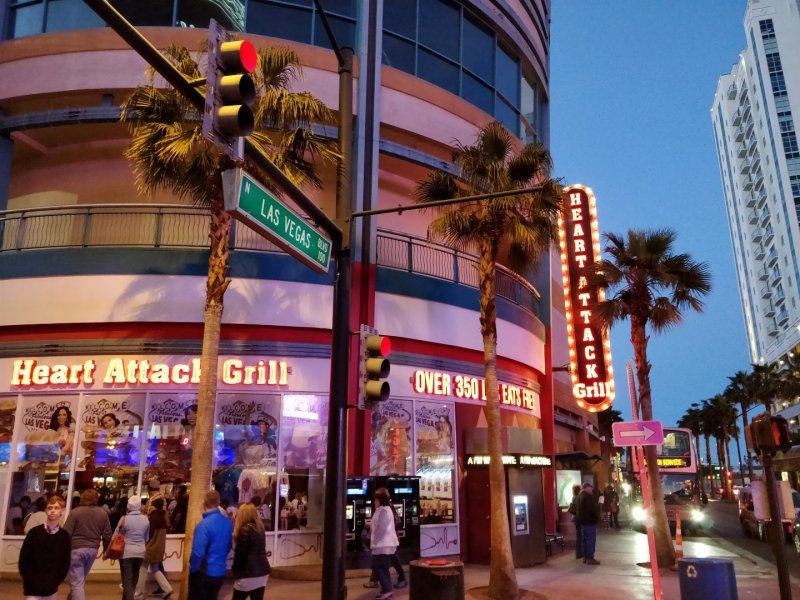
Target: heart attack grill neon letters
x,y
589,347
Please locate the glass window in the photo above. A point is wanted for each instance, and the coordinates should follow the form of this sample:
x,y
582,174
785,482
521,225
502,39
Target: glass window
x,y
435,461
43,456
170,423
507,77
304,435
110,445
340,7
439,26
196,13
400,16
343,29
477,92
390,446
398,53
26,20
528,108
146,12
507,116
438,71
63,15
478,50
285,22
8,407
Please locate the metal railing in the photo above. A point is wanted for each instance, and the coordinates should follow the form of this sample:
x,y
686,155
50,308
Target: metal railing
x,y
185,226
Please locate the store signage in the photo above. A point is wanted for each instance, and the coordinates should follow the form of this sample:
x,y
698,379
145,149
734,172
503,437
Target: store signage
x,y
589,348
513,460
468,387
132,372
672,462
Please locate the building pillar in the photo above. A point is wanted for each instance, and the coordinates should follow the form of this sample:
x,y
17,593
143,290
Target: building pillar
x,y
6,153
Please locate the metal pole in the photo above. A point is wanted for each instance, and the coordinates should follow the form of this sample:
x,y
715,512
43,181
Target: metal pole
x,y
776,528
333,579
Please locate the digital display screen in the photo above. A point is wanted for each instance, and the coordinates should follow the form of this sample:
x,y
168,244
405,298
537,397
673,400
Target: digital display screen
x,y
348,512
403,490
368,512
399,508
356,492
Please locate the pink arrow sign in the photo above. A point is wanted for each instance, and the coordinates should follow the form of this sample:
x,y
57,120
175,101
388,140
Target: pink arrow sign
x,y
638,433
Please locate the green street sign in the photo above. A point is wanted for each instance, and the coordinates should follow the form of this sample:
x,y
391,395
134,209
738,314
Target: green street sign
x,y
249,202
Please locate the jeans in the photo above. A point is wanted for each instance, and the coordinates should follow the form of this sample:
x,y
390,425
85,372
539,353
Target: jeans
x,y
156,570
204,587
578,540
589,540
396,565
129,568
256,594
380,567
80,563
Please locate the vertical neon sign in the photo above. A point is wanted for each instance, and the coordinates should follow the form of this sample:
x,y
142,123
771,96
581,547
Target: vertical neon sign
x,y
589,348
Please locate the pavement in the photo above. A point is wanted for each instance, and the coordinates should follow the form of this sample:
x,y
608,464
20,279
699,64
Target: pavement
x,y
562,577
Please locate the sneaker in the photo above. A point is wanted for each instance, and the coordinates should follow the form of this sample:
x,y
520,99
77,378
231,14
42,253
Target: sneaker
x,y
401,583
592,561
385,596
372,584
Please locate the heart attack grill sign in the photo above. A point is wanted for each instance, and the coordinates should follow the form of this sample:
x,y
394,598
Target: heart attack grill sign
x,y
589,348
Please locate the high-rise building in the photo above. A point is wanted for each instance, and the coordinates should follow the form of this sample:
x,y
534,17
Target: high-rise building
x,y
755,112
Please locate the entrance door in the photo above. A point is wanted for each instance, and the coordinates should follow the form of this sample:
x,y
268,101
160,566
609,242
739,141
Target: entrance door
x,y
478,530
526,512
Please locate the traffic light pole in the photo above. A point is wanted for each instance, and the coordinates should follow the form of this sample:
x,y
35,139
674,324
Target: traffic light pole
x,y
776,528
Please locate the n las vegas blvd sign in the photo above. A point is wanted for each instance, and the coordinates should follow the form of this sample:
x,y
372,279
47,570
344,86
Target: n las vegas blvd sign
x,y
589,348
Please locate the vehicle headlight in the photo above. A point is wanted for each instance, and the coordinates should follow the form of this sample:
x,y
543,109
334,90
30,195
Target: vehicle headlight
x,y
697,515
638,513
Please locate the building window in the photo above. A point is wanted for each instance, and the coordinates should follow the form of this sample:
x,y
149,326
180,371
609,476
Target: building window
x,y
767,29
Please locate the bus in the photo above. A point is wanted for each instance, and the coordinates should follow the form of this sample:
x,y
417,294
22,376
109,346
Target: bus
x,y
677,468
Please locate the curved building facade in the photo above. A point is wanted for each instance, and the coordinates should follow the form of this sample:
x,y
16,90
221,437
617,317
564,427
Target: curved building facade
x,y
103,289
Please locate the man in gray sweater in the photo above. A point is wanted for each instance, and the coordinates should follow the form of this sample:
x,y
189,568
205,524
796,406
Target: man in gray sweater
x,y
87,526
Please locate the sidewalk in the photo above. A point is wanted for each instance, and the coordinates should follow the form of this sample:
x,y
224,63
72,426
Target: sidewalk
x,y
562,577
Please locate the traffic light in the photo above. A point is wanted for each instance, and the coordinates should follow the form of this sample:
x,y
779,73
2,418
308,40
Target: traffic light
x,y
374,368
768,434
230,90
780,433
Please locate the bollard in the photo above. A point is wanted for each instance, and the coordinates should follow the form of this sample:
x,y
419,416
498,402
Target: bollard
x,y
704,578
678,539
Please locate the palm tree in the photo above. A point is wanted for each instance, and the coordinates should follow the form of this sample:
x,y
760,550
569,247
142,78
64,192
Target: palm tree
x,y
647,282
168,151
740,391
692,420
724,415
767,384
522,225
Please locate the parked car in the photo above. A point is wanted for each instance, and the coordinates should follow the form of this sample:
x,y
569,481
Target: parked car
x,y
754,527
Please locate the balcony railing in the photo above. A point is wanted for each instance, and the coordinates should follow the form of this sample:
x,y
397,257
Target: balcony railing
x,y
180,226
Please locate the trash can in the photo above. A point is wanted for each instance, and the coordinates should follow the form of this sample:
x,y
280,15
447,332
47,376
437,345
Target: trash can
x,y
705,578
439,579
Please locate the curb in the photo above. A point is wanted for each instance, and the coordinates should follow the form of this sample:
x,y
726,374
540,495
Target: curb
x,y
757,560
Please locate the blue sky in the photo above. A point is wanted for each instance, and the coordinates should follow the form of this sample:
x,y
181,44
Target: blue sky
x,y
632,82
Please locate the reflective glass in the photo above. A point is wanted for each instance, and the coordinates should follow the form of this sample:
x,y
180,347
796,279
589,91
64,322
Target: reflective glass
x,y
438,71
344,30
435,440
345,8
507,76
476,92
507,116
8,405
196,13
285,22
400,16
439,27
398,53
170,423
478,50
146,12
63,15
390,446
26,20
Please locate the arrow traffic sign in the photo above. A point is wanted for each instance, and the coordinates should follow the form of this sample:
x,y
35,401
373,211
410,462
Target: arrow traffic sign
x,y
638,433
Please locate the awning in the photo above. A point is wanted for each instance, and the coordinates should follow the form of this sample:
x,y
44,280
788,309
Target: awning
x,y
574,458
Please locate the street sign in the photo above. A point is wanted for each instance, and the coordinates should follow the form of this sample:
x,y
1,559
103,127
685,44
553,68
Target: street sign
x,y
249,202
638,433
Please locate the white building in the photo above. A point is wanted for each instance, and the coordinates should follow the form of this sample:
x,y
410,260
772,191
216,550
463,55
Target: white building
x,y
755,111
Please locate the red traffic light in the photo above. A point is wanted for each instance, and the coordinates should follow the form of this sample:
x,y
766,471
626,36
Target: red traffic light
x,y
239,56
379,344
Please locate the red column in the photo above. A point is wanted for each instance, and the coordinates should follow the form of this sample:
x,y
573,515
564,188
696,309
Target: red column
x,y
548,437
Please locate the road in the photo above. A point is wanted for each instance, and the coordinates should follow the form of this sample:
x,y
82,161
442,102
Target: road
x,y
725,518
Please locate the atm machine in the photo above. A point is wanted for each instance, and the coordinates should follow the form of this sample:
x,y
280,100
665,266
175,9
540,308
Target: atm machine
x,y
358,511
404,491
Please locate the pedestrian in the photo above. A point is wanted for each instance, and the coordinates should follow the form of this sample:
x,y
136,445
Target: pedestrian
x,y
394,562
154,552
136,529
250,565
383,542
573,510
45,555
180,510
38,517
88,526
210,547
611,506
588,516
16,516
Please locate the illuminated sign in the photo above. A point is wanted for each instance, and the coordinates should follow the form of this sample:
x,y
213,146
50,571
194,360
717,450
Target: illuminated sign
x,y
672,462
29,372
512,460
467,387
589,348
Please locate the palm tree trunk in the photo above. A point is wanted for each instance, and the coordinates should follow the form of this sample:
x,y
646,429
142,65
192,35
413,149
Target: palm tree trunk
x,y
502,577
665,552
726,440
203,434
747,452
739,453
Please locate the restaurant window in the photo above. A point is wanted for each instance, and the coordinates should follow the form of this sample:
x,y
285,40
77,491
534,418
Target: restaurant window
x,y
435,444
8,410
170,423
390,446
43,455
303,446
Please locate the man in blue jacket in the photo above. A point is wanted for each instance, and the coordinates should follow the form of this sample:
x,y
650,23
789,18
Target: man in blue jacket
x,y
212,543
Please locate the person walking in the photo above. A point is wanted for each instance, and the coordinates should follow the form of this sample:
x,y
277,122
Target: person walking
x,y
213,537
250,565
383,542
611,506
573,510
588,516
394,562
88,526
45,555
136,529
154,552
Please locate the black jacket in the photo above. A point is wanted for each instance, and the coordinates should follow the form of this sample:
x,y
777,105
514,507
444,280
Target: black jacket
x,y
588,509
250,554
44,561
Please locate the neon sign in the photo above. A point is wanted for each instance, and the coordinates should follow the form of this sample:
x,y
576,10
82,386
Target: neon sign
x,y
468,387
514,460
589,348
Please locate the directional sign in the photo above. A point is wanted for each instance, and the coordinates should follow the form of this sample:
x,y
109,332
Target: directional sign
x,y
638,433
249,202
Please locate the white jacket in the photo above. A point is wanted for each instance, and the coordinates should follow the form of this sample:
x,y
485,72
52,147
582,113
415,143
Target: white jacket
x,y
383,537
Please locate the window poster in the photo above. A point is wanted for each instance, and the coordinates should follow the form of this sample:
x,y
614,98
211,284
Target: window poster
x,y
111,428
390,446
305,431
169,423
247,431
435,441
8,405
48,431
